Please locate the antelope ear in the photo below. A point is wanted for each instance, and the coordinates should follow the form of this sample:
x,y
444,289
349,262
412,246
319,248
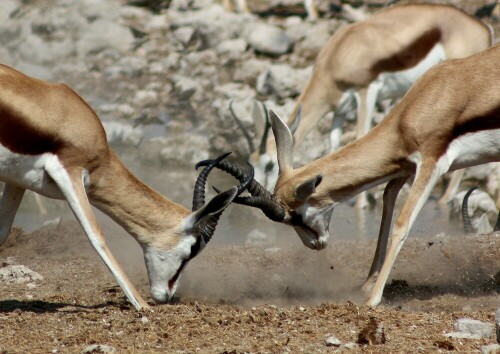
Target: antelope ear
x,y
284,141
214,206
307,188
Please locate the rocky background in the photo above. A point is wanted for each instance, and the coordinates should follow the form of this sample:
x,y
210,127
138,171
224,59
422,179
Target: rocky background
x,y
161,74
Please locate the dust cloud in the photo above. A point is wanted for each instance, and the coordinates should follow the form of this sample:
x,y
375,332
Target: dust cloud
x,y
279,270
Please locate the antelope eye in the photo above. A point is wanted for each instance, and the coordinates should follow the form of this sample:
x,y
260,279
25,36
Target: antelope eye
x,y
296,219
269,167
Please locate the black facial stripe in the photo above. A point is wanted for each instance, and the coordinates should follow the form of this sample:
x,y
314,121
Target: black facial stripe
x,y
172,281
195,249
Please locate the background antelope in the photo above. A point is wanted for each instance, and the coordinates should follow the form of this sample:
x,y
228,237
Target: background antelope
x,y
373,60
450,119
53,143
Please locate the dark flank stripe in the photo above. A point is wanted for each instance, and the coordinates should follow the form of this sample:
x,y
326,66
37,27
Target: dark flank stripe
x,y
19,137
410,55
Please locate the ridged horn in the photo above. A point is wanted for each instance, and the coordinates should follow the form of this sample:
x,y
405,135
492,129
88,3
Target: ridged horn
x,y
465,211
240,125
207,229
265,134
260,197
201,181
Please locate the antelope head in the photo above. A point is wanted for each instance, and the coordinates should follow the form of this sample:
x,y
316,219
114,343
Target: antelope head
x,y
165,264
264,157
295,200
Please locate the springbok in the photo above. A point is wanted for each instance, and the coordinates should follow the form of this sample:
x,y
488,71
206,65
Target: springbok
x,y
448,120
53,143
373,60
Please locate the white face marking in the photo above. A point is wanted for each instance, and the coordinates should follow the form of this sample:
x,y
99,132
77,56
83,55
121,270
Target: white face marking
x,y
163,266
314,231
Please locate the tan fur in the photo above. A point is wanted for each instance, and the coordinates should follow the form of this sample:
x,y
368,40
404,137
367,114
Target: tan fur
x,y
38,117
452,99
393,39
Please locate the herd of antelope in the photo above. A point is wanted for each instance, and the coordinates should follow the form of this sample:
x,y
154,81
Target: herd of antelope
x,y
436,56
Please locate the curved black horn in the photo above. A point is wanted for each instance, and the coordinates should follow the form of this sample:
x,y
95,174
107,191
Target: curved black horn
x,y
208,228
254,187
199,187
261,198
240,125
265,134
465,211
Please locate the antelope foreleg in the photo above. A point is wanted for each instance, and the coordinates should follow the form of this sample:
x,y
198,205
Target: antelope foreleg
x,y
11,198
70,182
390,195
428,173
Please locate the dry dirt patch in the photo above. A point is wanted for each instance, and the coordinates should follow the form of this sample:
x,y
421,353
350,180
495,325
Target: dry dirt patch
x,y
236,299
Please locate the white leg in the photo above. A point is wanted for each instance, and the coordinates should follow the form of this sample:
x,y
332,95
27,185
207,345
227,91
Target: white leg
x,y
70,182
361,99
497,170
452,188
11,198
426,177
242,6
312,12
370,101
337,130
390,195
39,203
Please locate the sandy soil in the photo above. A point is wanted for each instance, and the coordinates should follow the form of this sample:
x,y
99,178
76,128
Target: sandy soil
x,y
248,299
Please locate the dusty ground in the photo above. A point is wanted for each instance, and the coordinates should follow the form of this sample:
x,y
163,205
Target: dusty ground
x,y
238,299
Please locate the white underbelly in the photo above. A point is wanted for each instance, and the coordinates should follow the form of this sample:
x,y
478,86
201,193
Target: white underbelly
x,y
474,149
396,84
27,171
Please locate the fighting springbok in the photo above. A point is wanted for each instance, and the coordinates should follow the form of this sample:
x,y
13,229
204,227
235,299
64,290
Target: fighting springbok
x,y
53,143
449,119
373,60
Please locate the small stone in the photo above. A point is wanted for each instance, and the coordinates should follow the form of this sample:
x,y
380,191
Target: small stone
x,y
350,345
332,341
301,308
490,349
474,328
99,349
373,333
144,320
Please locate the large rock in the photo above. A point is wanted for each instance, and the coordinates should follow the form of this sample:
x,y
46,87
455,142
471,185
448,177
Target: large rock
x,y
7,7
314,39
213,23
283,80
269,39
250,69
102,34
122,133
